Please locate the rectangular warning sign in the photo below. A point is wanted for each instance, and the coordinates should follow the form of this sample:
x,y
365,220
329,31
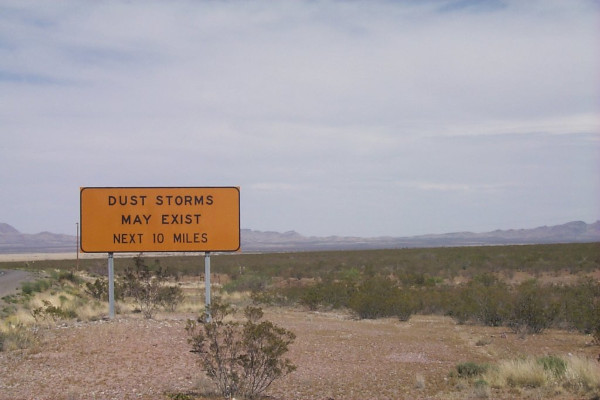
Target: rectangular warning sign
x,y
159,219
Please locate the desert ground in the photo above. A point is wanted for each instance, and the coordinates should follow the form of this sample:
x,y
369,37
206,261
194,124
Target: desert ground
x,y
337,358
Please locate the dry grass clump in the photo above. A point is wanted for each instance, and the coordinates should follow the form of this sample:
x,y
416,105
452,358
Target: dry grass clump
x,y
43,303
49,307
524,373
583,374
15,336
573,373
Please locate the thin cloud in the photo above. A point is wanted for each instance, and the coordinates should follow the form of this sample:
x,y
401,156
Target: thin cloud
x,y
347,103
455,186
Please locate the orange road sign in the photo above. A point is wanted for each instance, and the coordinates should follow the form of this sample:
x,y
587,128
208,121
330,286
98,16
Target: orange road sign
x,y
159,219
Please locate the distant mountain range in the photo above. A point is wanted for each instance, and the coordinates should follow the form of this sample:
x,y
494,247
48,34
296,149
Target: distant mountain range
x,y
572,232
13,241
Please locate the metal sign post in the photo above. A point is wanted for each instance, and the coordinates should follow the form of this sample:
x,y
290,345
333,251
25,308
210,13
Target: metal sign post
x,y
111,285
207,284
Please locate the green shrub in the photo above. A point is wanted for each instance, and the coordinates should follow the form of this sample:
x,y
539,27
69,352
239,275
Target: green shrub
x,y
247,283
580,305
275,297
380,297
312,297
329,293
481,383
242,359
533,309
471,369
554,364
98,289
37,286
50,311
372,298
483,300
11,299
65,276
144,285
170,297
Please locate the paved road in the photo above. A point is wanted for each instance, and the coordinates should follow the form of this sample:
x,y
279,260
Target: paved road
x,y
10,281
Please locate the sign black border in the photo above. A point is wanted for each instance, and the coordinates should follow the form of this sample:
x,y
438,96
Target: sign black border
x,y
81,189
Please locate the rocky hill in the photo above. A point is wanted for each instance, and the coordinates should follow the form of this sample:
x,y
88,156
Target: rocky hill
x,y
13,241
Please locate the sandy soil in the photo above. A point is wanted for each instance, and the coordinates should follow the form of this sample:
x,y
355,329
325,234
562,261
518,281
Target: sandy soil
x,y
337,358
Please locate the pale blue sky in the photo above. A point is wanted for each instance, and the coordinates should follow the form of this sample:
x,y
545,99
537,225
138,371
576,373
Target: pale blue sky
x,y
365,118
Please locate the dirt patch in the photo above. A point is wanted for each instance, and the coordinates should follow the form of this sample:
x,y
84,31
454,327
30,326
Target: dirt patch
x,y
125,358
337,357
10,281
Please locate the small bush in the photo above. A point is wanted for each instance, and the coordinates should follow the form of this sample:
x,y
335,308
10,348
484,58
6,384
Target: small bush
x,y
247,283
65,276
483,342
144,285
327,294
242,359
271,298
553,364
533,310
483,300
580,305
170,297
98,290
51,312
471,369
38,286
380,297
